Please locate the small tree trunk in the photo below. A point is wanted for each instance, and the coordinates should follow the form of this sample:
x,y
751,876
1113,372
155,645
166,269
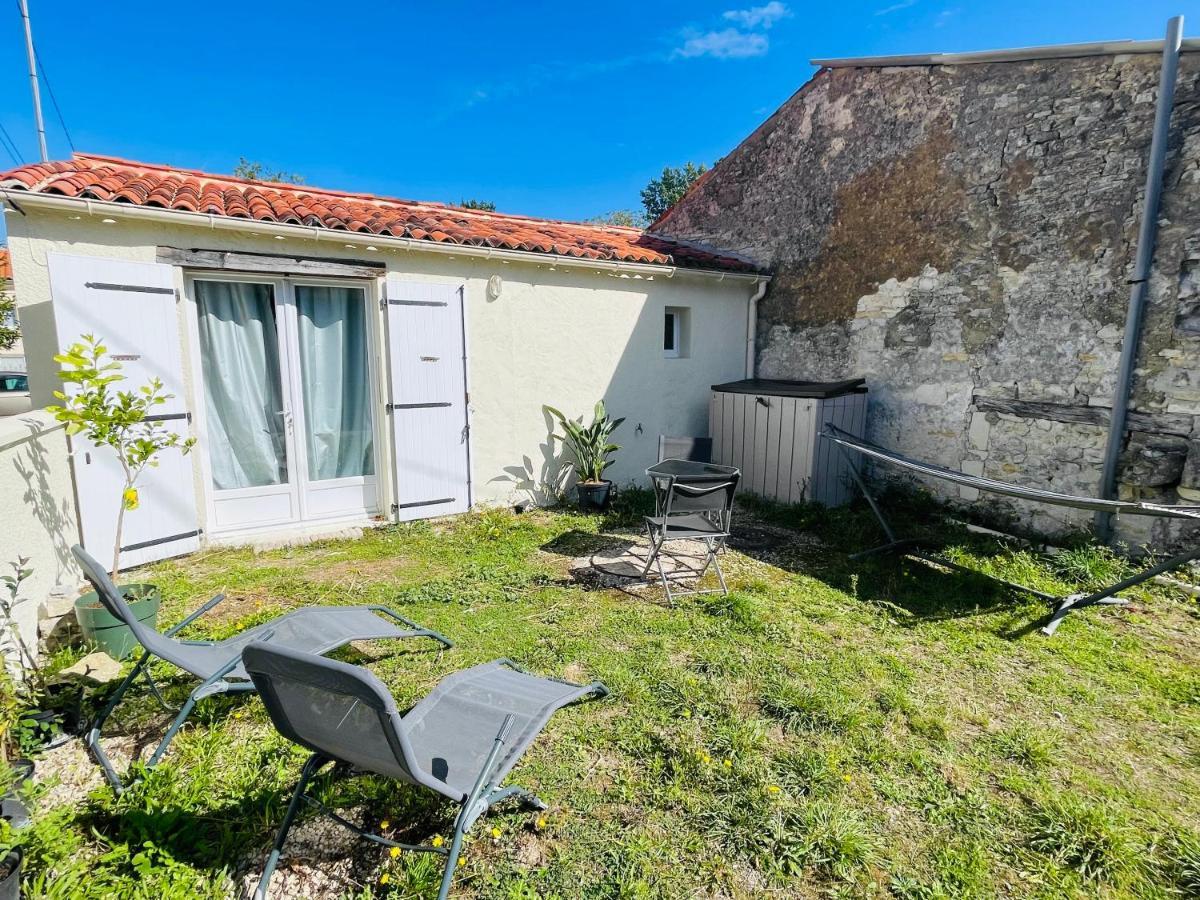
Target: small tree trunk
x,y
116,566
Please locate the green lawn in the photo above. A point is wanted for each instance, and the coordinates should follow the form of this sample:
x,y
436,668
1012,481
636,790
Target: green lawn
x,y
829,729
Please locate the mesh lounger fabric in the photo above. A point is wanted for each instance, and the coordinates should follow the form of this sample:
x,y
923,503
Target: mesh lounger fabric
x,y
346,713
315,629
453,728
460,741
1017,491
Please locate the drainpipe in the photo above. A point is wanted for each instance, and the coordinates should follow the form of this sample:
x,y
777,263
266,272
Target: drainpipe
x,y
1139,281
752,325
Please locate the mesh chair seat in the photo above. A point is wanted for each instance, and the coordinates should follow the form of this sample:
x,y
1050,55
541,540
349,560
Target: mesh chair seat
x,y
218,664
691,503
681,527
452,730
459,741
313,630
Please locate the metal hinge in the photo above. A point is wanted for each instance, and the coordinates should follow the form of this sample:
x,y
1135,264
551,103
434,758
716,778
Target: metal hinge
x,y
137,288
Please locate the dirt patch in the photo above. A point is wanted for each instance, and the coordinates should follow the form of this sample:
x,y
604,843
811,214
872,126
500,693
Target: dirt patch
x,y
237,608
351,572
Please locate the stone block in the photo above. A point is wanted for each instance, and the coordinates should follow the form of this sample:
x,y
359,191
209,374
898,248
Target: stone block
x,y
979,431
1153,460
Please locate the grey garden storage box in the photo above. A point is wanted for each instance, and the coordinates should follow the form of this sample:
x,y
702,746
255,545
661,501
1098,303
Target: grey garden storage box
x,y
771,429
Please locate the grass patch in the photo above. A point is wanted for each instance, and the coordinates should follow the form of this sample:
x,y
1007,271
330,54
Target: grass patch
x,y
830,728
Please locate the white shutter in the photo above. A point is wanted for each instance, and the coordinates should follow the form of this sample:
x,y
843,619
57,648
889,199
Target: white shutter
x,y
427,399
131,306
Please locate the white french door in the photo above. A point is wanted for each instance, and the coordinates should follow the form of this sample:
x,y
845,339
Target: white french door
x,y
288,401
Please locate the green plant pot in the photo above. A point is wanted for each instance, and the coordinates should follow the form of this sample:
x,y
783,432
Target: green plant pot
x,y
108,632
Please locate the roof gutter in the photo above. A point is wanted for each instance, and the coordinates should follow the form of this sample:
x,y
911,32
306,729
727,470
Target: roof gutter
x,y
1140,277
108,209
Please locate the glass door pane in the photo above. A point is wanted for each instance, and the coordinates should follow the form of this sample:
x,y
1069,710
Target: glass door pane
x,y
336,389
239,348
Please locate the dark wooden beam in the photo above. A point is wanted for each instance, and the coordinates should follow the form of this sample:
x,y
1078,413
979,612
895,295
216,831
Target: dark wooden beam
x,y
270,263
1079,414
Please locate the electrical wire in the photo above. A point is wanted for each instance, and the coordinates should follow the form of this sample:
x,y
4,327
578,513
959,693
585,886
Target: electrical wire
x,y
9,145
53,99
50,90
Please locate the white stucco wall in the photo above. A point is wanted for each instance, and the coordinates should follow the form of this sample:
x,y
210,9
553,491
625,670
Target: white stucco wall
x,y
38,501
566,337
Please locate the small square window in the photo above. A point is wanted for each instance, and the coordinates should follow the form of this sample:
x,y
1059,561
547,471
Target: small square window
x,y
675,332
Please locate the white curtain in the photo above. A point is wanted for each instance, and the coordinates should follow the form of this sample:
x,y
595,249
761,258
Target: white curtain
x,y
239,347
333,375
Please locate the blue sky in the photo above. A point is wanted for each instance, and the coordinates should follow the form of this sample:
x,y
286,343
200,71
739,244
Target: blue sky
x,y
551,109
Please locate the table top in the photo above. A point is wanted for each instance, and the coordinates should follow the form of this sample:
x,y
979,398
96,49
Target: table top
x,y
687,470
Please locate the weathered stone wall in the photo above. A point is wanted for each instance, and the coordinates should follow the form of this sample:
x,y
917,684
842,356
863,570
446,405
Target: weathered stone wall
x,y
962,236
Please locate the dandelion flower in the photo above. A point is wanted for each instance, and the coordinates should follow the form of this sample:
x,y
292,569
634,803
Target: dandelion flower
x,y
462,861
541,823
846,778
395,851
773,789
385,825
729,763
437,841
385,878
496,833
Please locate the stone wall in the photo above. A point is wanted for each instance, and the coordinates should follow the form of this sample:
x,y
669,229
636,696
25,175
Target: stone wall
x,y
962,236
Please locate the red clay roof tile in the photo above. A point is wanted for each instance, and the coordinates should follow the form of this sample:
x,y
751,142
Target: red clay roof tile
x,y
146,184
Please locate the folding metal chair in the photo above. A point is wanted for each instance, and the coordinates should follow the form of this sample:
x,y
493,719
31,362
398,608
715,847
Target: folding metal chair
x,y
696,449
460,741
218,664
698,508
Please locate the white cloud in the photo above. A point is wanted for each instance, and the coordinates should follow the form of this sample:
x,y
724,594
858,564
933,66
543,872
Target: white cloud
x,y
756,16
895,7
727,44
945,16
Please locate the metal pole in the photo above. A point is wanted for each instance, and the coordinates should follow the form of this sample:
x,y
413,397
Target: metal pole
x,y
33,81
1141,271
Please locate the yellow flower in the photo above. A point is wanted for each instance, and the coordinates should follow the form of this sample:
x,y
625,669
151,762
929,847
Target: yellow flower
x,y
496,833
395,851
437,841
462,860
846,778
130,498
773,789
541,822
687,713
385,824
729,763
385,878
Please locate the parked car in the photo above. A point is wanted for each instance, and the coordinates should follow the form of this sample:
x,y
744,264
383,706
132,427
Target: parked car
x,y
14,393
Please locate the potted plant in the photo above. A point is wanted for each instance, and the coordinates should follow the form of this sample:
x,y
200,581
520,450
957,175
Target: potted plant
x,y
122,421
591,449
10,864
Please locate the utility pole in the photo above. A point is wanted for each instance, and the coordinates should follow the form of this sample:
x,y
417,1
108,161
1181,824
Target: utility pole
x,y
33,81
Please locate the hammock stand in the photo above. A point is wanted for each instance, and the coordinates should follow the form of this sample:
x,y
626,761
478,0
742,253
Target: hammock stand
x,y
912,546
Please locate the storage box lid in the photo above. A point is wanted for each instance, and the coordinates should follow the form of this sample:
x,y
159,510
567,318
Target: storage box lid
x,y
819,390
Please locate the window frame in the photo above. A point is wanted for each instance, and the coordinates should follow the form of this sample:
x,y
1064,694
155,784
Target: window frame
x,y
675,351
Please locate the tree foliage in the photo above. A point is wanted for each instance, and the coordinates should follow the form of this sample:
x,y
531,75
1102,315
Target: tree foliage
x,y
664,192
623,218
10,332
113,418
481,205
252,170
